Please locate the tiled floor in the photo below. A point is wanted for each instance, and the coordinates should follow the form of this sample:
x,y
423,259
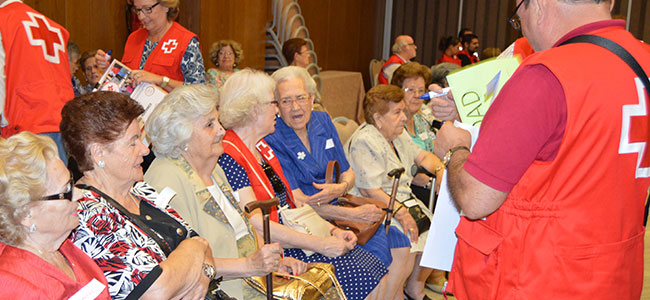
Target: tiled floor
x,y
646,277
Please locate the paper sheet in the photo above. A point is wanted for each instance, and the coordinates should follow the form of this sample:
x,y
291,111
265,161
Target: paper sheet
x,y
441,242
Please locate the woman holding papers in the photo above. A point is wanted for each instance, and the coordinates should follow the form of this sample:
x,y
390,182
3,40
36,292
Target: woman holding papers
x,y
381,145
162,52
186,136
37,213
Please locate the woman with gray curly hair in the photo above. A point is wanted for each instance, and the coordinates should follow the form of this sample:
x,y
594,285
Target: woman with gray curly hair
x,y
226,55
37,214
186,136
253,170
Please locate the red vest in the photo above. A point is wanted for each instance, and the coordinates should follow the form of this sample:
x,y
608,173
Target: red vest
x,y
449,59
166,58
262,187
472,58
523,48
37,70
394,59
572,228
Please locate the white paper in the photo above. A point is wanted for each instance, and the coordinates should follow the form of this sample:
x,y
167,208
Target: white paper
x,y
234,218
148,95
89,291
441,242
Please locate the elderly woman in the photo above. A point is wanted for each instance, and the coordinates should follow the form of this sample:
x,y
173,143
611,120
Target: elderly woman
x,y
163,52
304,142
381,145
226,55
413,78
143,246
186,135
37,260
450,47
254,172
296,52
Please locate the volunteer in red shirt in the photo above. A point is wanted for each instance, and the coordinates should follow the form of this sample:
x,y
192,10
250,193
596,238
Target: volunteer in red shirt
x,y
162,52
450,46
32,100
404,49
553,192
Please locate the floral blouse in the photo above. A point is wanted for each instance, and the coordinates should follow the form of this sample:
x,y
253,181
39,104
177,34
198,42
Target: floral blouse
x,y
120,248
191,64
216,78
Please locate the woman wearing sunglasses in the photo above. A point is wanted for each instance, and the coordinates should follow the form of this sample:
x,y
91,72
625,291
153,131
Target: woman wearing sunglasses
x,y
37,214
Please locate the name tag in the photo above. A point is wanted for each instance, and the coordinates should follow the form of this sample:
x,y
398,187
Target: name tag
x,y
424,136
89,291
164,197
329,144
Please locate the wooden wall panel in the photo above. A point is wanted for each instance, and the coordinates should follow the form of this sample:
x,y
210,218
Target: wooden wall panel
x,y
347,34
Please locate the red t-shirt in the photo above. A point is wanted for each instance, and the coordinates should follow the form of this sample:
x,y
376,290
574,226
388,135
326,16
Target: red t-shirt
x,y
534,101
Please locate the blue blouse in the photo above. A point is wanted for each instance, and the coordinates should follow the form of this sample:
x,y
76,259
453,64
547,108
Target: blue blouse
x,y
300,167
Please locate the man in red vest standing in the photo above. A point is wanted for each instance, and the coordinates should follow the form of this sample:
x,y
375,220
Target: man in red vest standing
x,y
36,82
404,49
553,191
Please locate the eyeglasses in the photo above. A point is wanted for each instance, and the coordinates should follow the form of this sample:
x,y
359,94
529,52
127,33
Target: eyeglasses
x,y
223,53
514,18
145,10
67,195
274,102
419,91
278,187
300,99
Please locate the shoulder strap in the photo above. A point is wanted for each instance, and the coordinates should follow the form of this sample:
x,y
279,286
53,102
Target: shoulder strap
x,y
150,232
630,61
333,172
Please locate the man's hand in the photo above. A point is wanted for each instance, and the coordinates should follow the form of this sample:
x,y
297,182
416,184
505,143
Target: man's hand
x,y
450,136
443,108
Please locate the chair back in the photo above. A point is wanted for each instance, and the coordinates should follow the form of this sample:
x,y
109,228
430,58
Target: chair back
x,y
375,68
345,128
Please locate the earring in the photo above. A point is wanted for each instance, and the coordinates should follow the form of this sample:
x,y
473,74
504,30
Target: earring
x,y
32,228
101,164
185,148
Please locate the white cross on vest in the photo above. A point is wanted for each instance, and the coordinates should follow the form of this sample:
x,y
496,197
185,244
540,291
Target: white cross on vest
x,y
49,38
169,46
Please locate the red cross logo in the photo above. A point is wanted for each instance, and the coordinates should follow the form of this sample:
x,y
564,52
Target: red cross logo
x,y
634,139
169,46
49,38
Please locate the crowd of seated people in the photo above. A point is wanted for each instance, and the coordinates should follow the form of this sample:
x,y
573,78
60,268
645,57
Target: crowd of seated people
x,y
170,231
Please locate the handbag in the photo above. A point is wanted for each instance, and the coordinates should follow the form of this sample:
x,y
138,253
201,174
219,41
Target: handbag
x,y
310,285
422,220
364,231
306,220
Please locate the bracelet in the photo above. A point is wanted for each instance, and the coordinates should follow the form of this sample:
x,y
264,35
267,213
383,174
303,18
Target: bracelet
x,y
398,208
165,82
346,188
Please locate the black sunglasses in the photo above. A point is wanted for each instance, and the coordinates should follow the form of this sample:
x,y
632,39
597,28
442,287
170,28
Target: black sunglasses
x,y
278,187
61,196
514,18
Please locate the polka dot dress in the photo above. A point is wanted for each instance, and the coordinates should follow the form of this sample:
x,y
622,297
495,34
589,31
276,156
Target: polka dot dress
x,y
358,271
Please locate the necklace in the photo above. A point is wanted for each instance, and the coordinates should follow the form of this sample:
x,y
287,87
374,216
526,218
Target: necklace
x,y
137,204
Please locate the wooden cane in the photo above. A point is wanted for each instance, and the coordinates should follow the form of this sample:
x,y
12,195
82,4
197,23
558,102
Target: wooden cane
x,y
396,174
265,206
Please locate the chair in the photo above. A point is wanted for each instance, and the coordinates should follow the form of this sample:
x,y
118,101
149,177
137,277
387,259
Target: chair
x,y
345,128
375,68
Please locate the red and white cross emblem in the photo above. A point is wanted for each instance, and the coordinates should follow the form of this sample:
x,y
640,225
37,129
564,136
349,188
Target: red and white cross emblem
x,y
49,38
633,138
169,46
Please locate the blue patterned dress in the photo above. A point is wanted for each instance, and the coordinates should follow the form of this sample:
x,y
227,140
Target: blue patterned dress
x,y
191,64
358,271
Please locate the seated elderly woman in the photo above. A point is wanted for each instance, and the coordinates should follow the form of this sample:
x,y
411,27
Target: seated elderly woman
x,y
37,260
248,111
381,145
304,142
143,246
186,136
413,78
226,55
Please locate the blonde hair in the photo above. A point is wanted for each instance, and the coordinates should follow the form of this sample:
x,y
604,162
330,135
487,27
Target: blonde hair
x,y
171,123
243,91
236,49
23,169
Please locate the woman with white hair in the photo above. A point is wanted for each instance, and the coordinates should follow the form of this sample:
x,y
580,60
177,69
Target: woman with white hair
x,y
37,214
248,112
186,136
305,141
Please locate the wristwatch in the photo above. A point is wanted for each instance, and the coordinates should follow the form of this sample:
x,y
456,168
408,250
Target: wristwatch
x,y
209,271
447,157
165,82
